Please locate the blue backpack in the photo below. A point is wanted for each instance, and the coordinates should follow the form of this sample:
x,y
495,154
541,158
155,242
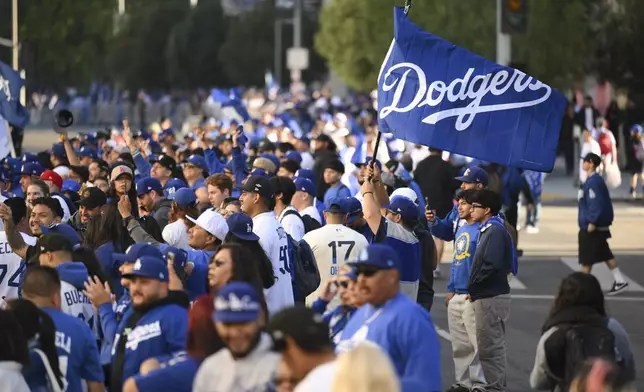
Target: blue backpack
x,y
305,276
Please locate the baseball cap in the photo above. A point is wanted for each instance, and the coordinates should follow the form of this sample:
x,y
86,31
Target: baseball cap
x,y
406,192
303,325
635,129
474,175
362,162
70,186
136,251
593,158
50,175
149,267
241,226
87,151
142,134
305,185
119,170
172,186
212,222
354,208
184,197
54,242
336,206
259,172
237,302
31,169
92,198
29,157
180,260
403,206
306,173
58,150
293,156
260,185
378,256
147,185
271,157
166,162
64,230
197,160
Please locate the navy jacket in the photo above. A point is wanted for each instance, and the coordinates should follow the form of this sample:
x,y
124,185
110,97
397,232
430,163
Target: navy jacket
x,y
595,205
492,262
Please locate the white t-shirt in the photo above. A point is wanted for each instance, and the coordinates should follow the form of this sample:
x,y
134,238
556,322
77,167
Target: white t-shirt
x,y
62,171
11,266
176,234
333,246
319,379
313,213
292,223
586,148
273,239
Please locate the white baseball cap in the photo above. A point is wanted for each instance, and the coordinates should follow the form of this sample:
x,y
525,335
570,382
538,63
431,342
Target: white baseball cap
x,y
405,192
212,222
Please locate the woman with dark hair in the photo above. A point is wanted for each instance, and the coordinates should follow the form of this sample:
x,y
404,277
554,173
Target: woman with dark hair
x,y
240,231
14,353
578,329
121,185
108,236
179,372
40,331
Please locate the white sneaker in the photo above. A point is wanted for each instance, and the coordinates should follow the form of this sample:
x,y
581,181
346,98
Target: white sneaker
x,y
532,229
437,274
634,195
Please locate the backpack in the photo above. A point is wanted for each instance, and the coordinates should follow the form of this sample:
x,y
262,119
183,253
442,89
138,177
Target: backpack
x,y
605,144
585,341
305,276
310,224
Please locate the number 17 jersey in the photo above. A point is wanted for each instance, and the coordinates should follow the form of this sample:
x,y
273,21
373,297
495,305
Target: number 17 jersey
x,y
333,246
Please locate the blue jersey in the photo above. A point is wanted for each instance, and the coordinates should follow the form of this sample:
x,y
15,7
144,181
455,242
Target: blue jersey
x,y
407,246
179,372
405,331
467,237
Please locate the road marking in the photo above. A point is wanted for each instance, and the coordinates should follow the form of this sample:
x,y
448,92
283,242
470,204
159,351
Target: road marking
x,y
551,297
603,274
516,284
443,333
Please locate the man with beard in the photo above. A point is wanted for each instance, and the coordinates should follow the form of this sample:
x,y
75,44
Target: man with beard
x,y
152,201
247,363
157,326
90,205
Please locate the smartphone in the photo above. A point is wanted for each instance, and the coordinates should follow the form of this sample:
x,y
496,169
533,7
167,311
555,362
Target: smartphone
x,y
426,203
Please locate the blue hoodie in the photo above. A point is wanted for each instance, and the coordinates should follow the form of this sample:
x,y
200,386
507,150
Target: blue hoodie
x,y
336,318
74,302
464,247
405,331
111,316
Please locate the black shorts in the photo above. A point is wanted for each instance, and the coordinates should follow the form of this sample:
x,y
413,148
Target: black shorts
x,y
593,247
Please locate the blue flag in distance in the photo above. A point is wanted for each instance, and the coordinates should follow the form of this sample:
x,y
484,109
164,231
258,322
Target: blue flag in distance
x,y
435,93
10,107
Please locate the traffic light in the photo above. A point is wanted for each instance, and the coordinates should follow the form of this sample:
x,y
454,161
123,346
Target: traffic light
x,y
514,16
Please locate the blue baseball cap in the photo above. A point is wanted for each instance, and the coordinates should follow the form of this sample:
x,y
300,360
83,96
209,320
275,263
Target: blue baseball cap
x,y
305,185
259,172
378,256
147,185
87,151
184,197
354,209
172,186
363,162
306,173
70,186
241,226
65,230
403,206
337,206
198,160
58,150
271,157
29,157
142,134
237,302
293,156
136,251
31,169
474,175
180,259
635,129
149,267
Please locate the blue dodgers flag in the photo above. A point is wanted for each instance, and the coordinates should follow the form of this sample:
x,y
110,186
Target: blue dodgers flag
x,y
232,100
10,107
435,93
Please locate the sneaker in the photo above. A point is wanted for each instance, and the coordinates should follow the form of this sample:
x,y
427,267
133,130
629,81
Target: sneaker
x,y
437,274
532,229
633,193
617,287
519,252
458,388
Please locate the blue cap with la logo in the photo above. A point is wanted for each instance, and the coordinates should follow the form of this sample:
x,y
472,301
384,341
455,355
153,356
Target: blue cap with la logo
x,y
241,226
149,267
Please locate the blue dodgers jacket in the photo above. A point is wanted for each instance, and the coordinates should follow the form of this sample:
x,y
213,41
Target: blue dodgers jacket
x,y
111,316
157,330
595,205
405,331
467,237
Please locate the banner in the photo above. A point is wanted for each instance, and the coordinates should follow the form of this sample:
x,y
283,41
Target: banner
x,y
230,100
10,107
5,139
435,93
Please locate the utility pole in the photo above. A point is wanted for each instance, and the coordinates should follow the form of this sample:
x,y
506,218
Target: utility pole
x,y
14,35
503,41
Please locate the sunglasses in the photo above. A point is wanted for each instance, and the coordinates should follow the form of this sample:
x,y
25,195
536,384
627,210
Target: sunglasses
x,y
367,272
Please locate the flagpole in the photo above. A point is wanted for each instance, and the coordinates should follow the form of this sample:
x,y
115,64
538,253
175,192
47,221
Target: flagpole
x,y
379,135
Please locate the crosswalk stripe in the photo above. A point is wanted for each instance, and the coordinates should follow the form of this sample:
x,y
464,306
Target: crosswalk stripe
x,y
603,274
516,284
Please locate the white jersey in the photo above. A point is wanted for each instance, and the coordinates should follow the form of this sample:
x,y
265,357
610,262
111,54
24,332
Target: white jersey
x,y
333,246
312,212
292,223
273,239
11,266
76,304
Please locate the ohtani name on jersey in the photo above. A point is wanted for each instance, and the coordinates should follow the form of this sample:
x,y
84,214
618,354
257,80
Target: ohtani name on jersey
x,y
76,297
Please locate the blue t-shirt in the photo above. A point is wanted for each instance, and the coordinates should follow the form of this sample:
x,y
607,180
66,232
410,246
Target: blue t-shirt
x,y
179,372
467,237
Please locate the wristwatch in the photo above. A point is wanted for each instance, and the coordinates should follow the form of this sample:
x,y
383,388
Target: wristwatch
x,y
127,220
